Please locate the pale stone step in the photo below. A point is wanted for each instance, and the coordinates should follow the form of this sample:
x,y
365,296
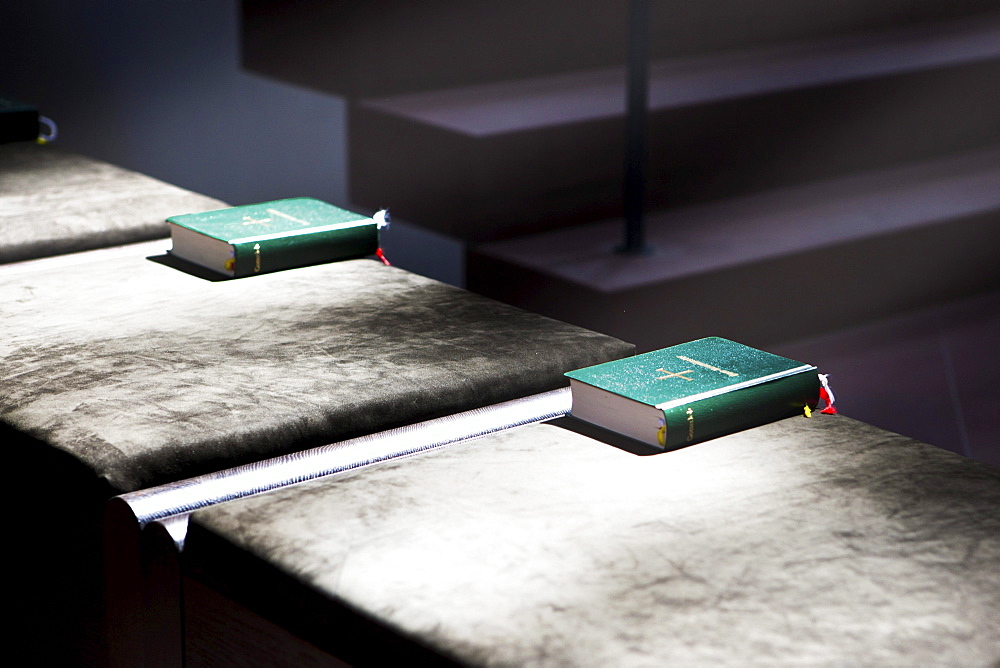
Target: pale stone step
x,y
501,159
771,267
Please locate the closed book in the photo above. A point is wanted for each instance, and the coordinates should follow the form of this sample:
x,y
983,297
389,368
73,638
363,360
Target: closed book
x,y
271,236
18,121
692,392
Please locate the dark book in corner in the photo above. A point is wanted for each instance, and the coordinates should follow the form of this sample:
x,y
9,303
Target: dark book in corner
x,y
692,392
18,121
271,236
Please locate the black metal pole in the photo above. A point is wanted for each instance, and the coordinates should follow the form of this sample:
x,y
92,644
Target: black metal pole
x,y
637,102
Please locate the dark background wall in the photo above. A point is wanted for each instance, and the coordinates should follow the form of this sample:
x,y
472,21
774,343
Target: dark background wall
x,y
158,87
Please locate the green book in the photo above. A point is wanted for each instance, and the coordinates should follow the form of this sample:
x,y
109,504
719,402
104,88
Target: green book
x,y
270,236
18,121
692,392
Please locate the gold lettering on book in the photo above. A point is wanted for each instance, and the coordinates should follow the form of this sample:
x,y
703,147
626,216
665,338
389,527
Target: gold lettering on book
x,y
731,374
256,258
690,419
671,374
275,212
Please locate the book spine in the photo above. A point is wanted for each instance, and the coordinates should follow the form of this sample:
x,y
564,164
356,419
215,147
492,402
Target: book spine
x,y
258,257
741,409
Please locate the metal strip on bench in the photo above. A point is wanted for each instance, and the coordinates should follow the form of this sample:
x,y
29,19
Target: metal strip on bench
x,y
185,496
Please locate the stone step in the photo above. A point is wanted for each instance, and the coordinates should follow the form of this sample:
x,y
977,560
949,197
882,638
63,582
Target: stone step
x,y
362,48
770,267
498,160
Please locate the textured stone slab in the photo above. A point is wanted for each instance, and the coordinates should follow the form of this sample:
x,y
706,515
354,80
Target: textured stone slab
x,y
815,542
146,374
53,202
120,371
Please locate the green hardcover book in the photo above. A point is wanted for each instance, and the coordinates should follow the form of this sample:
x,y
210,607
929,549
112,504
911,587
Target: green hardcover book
x,y
18,121
692,392
258,238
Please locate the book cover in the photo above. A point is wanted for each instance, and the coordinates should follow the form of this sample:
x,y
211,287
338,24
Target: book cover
x,y
692,392
18,121
270,236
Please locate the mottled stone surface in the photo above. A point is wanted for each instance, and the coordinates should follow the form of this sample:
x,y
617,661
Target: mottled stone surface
x,y
817,541
146,374
54,202
119,372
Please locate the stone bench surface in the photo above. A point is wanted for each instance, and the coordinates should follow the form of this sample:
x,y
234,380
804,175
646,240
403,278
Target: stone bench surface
x,y
816,541
147,374
53,201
